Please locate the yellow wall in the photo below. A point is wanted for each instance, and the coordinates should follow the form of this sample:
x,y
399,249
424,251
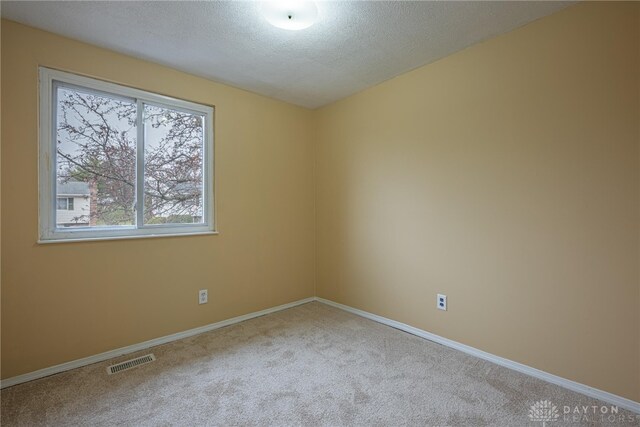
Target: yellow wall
x,y
65,301
507,177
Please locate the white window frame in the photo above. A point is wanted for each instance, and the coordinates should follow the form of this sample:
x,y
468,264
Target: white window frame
x,y
49,232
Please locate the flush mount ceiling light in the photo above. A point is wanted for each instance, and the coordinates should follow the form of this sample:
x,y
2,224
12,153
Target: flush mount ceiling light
x,y
290,14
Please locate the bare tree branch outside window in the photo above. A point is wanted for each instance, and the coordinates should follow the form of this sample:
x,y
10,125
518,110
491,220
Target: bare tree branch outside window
x,y
97,143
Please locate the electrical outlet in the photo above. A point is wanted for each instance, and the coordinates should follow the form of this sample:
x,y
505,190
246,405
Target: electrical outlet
x,y
442,302
203,297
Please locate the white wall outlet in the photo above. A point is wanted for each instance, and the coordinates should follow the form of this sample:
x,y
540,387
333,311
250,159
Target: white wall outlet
x,y
203,297
442,302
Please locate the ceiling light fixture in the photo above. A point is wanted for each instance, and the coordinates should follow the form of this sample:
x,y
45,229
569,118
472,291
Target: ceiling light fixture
x,y
290,14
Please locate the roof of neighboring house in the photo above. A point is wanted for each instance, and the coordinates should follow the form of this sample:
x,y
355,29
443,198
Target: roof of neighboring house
x,y
187,187
74,188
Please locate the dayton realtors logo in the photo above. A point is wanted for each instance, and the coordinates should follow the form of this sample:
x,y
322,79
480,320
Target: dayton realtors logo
x,y
597,414
543,411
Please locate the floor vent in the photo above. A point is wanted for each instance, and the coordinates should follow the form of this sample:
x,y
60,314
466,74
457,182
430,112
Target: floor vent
x,y
128,364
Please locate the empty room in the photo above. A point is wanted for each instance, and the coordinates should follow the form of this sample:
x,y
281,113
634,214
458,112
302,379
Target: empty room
x,y
320,213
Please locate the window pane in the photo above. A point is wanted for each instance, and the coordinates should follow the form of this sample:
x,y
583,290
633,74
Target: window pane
x,y
70,203
96,158
173,166
62,203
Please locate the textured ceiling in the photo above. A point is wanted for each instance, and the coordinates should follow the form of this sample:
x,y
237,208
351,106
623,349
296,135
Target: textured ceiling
x,y
354,45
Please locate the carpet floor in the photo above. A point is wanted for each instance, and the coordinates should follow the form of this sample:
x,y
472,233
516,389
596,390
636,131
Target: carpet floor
x,y
305,366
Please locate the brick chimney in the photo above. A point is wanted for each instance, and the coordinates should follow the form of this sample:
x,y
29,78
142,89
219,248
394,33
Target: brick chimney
x,y
93,203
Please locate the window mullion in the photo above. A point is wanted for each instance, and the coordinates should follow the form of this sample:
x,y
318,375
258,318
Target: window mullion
x,y
140,165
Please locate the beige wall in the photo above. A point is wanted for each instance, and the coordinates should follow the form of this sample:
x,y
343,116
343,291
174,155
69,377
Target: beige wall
x,y
507,177
65,301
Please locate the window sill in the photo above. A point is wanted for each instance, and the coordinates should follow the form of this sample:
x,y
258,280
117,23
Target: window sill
x,y
141,236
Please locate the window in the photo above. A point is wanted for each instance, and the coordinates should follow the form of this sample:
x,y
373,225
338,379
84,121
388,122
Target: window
x,y
65,203
140,164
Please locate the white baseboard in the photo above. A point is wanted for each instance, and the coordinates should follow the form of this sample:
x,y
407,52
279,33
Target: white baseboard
x,y
554,379
41,373
605,396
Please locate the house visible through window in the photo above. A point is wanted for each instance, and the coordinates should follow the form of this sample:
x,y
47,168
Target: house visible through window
x,y
119,162
73,204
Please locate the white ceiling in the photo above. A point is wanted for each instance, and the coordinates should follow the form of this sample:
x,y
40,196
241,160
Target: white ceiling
x,y
354,44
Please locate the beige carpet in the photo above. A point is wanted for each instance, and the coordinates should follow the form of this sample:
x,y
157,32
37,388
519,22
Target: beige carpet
x,y
309,365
